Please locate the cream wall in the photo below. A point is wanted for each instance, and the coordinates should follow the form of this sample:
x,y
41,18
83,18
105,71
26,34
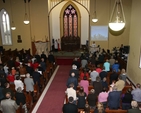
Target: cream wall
x,y
104,9
133,69
55,22
38,27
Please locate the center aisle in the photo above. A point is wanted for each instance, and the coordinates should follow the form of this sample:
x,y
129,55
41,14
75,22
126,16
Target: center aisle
x,y
54,98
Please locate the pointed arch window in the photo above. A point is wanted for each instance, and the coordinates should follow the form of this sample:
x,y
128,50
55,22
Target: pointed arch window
x,y
5,28
70,21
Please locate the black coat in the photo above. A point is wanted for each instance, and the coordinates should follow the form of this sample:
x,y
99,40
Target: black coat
x,y
70,108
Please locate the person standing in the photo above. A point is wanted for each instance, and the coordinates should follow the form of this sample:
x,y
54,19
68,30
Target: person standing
x,y
107,65
8,105
56,45
70,107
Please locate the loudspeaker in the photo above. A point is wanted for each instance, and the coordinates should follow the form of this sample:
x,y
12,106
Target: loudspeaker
x,y
126,49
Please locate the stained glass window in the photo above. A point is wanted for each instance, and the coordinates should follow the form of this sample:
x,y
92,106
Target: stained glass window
x,y
70,21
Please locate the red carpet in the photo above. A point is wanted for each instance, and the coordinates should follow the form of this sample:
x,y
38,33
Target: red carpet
x,y
54,98
64,60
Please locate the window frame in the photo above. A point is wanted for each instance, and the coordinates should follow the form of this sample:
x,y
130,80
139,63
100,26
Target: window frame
x,y
5,29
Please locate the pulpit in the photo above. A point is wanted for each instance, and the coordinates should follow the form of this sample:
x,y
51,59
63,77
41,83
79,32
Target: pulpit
x,y
70,43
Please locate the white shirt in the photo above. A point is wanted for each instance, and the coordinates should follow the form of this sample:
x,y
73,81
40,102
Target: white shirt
x,y
18,83
71,93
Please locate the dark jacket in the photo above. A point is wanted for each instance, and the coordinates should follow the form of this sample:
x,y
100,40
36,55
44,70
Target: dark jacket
x,y
70,108
114,99
98,87
20,98
92,99
72,80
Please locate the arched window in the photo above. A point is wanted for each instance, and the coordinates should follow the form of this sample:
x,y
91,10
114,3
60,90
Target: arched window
x,y
70,21
5,28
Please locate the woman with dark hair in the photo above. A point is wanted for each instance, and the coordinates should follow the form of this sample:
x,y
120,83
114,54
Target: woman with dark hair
x,y
85,84
81,98
126,100
86,109
84,73
20,98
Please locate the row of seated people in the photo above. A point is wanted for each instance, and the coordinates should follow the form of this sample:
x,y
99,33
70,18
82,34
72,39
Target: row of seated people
x,y
22,83
92,93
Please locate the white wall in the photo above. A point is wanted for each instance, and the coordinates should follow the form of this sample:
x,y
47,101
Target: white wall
x,y
55,23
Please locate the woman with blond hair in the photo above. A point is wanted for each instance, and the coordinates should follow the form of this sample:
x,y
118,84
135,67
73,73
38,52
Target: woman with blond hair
x,y
99,108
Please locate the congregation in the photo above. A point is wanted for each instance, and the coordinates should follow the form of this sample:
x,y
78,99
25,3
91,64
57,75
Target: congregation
x,y
22,79
97,83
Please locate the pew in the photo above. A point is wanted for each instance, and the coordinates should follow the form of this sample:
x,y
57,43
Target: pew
x,y
107,110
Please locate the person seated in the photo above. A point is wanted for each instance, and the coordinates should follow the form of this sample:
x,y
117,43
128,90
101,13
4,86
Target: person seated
x,y
102,97
20,98
126,100
70,107
81,95
92,99
99,108
85,84
135,108
114,99
115,66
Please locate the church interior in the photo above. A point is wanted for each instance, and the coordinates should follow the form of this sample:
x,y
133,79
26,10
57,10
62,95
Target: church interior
x,y
49,20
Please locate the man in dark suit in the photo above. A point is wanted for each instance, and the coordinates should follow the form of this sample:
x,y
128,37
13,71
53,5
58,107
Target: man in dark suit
x,y
74,70
70,107
72,79
103,73
114,99
51,58
134,109
36,76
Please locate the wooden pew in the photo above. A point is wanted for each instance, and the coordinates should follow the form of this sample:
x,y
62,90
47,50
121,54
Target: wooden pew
x,y
107,110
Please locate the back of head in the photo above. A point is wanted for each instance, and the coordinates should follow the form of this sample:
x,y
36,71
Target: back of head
x,y
100,107
138,85
70,99
92,91
85,77
87,108
71,85
97,78
28,75
8,95
134,104
114,88
72,74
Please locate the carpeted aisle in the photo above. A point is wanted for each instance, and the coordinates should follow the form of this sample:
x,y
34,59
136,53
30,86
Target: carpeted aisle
x,y
54,98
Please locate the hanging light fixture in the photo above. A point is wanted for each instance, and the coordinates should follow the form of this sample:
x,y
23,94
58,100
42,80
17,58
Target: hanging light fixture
x,y
12,23
26,19
117,19
94,19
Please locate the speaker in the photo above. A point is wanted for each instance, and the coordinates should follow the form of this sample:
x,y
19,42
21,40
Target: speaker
x,y
126,49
